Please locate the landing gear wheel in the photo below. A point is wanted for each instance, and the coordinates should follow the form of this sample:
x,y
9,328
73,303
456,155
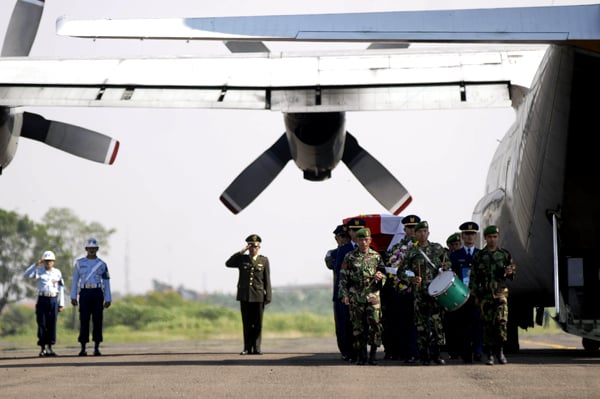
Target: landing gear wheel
x,y
590,345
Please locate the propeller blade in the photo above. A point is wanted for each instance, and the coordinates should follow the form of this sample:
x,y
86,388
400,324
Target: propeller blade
x,y
378,181
22,28
73,139
257,176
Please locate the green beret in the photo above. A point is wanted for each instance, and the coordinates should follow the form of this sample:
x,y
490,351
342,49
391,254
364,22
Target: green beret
x,y
364,233
491,230
253,238
422,225
453,238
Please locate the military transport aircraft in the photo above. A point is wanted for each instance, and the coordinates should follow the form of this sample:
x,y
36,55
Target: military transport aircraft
x,y
539,190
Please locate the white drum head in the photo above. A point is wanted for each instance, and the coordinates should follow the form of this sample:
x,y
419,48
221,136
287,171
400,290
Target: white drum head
x,y
441,283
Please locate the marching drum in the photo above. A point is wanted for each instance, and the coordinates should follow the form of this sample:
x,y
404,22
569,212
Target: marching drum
x,y
448,290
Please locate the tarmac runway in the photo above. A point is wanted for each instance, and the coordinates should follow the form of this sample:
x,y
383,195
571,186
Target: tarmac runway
x,y
548,366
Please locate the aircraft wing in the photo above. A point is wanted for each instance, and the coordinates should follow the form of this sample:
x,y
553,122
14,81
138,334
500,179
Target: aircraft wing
x,y
364,80
522,24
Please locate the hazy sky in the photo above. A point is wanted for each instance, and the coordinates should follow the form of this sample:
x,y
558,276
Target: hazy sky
x,y
162,193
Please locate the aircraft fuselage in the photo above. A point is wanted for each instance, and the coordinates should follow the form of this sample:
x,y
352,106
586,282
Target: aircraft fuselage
x,y
544,166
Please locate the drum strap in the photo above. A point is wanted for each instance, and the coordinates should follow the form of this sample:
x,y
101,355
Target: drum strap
x,y
427,259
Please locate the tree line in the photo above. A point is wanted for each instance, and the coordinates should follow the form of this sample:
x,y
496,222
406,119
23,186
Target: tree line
x,y
22,242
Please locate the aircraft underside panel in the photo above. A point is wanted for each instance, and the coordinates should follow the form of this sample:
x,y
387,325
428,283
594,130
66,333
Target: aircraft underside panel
x,y
456,95
368,81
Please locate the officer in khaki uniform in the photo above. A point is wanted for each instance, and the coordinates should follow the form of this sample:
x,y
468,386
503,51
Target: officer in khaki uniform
x,y
253,291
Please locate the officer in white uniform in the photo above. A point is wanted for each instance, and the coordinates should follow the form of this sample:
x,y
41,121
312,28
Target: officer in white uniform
x,y
51,300
91,282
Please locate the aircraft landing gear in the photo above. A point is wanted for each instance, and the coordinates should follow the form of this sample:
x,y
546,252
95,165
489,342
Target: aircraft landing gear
x,y
590,345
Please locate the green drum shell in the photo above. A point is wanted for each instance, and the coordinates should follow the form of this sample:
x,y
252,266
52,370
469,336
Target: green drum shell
x,y
450,292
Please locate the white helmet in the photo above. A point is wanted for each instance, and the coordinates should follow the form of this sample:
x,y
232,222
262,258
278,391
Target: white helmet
x,y
91,243
48,255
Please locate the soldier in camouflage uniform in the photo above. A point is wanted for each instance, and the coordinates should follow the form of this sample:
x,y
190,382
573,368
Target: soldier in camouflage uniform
x,y
361,278
428,312
453,326
492,266
397,302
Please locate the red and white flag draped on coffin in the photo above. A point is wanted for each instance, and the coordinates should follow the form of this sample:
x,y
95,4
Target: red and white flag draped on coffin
x,y
386,229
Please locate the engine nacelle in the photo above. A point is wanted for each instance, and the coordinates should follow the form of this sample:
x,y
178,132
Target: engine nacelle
x,y
316,142
11,124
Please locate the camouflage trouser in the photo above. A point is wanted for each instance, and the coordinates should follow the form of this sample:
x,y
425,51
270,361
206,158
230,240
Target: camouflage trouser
x,y
366,324
428,319
494,314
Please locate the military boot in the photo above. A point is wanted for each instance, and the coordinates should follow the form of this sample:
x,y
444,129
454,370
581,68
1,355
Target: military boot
x,y
352,356
436,356
425,361
373,356
490,359
50,351
362,356
500,355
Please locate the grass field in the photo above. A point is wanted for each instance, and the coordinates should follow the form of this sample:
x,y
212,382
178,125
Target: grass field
x,y
167,317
